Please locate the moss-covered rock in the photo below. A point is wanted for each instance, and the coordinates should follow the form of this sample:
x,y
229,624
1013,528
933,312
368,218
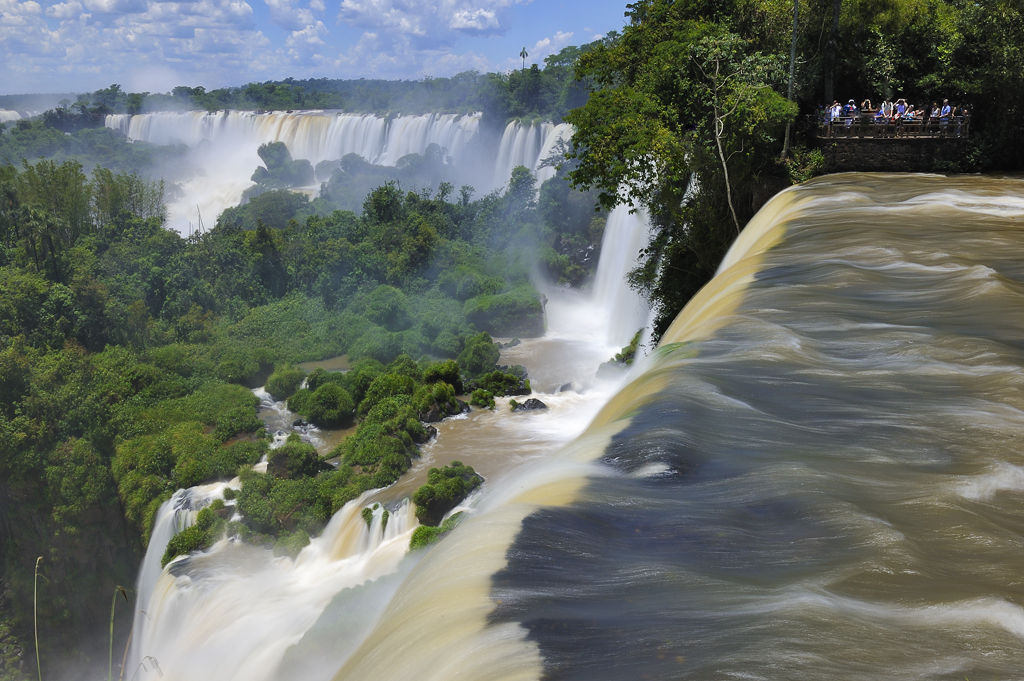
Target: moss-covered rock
x,y
424,535
445,488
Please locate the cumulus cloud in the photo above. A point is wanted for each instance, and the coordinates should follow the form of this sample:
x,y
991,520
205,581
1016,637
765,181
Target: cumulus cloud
x,y
290,16
429,25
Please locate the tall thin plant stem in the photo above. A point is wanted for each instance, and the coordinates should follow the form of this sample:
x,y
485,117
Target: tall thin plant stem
x,y
117,590
124,659
35,614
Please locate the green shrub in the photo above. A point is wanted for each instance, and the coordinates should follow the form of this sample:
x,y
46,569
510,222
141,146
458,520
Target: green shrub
x,y
202,535
295,459
446,344
424,535
446,371
435,401
285,380
319,377
510,382
480,355
384,386
445,488
330,406
518,312
482,398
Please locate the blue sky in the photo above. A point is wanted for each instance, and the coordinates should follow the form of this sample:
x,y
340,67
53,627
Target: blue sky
x,y
152,45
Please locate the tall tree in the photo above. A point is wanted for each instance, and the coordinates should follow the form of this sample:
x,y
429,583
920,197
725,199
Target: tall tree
x,y
684,121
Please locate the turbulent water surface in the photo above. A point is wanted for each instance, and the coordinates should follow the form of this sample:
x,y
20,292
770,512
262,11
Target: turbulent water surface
x,y
817,474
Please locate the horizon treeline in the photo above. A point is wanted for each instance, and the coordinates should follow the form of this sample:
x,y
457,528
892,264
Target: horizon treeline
x,y
547,92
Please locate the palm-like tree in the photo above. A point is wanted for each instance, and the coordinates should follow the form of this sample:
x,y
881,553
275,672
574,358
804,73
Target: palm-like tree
x,y
524,54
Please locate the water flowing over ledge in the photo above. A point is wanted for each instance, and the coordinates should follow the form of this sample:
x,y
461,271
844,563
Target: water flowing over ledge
x,y
815,476
223,148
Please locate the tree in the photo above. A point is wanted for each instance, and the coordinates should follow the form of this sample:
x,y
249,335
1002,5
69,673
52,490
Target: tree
x,y
685,121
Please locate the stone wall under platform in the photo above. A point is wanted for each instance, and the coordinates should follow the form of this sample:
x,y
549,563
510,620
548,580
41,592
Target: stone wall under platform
x,y
910,154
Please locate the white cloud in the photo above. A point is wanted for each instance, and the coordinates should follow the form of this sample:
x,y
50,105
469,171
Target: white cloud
x,y
541,49
548,46
290,17
430,25
65,10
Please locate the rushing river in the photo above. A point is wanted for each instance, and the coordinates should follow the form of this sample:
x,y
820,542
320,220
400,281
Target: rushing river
x,y
817,474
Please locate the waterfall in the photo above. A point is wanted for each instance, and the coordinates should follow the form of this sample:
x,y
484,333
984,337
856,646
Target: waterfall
x,y
174,515
7,116
315,136
224,147
527,144
232,612
625,234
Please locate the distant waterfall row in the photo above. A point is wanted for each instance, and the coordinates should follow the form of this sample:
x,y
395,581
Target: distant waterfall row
x,y
319,136
8,116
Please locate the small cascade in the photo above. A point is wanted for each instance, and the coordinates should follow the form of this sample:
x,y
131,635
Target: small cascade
x,y
233,612
280,422
625,234
6,116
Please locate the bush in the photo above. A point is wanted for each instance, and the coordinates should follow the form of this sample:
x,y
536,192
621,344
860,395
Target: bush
x,y
330,406
285,380
518,312
424,535
482,398
384,386
445,489
446,371
480,355
435,401
198,537
295,459
510,382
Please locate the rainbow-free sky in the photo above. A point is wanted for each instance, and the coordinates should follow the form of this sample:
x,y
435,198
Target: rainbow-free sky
x,y
153,45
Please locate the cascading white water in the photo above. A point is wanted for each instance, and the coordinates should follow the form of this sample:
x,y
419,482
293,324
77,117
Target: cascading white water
x,y
232,613
625,234
175,515
315,136
528,145
224,147
6,116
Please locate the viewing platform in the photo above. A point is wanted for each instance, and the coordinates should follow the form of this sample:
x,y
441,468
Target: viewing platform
x,y
859,144
865,126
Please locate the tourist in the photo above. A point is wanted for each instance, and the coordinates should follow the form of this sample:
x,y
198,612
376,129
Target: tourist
x,y
866,108
836,111
886,109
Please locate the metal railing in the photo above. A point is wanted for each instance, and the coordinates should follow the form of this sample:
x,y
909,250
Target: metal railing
x,y
866,126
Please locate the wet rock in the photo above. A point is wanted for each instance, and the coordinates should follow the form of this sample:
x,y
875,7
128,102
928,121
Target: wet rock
x,y
531,404
299,423
565,387
432,415
431,433
464,407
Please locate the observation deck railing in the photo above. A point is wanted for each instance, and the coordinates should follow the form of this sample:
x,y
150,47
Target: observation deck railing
x,y
865,126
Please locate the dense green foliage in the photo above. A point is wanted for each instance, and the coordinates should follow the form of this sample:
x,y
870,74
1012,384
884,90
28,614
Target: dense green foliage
x,y
445,488
127,352
92,147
